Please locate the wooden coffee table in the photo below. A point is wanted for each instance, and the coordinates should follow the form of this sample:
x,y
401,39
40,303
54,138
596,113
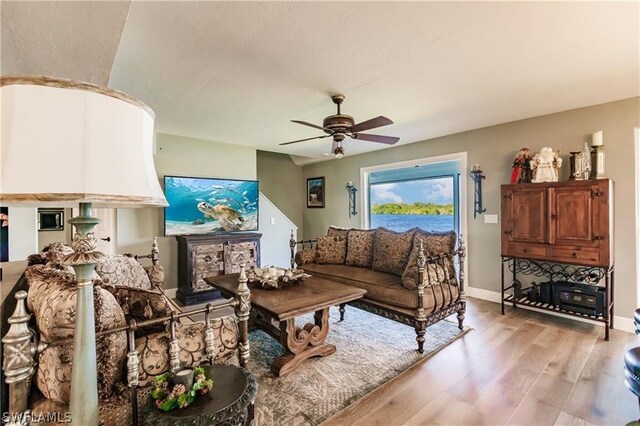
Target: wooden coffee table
x,y
283,306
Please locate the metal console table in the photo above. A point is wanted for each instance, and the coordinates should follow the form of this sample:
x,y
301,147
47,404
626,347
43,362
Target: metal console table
x,y
555,272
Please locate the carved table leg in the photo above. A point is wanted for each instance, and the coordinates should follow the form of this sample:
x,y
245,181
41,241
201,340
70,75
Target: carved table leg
x,y
302,343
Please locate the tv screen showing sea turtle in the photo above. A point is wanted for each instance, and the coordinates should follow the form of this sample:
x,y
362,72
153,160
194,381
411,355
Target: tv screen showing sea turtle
x,y
204,205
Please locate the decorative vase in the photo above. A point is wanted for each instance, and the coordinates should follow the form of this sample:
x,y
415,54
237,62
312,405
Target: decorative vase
x,y
574,165
585,156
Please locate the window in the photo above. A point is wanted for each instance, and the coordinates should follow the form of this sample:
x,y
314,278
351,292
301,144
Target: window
x,y
423,195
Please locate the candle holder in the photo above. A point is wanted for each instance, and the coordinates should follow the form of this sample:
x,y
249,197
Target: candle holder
x,y
477,177
352,190
184,377
597,156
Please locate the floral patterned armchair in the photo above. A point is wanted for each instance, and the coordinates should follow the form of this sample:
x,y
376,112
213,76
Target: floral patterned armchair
x,y
124,293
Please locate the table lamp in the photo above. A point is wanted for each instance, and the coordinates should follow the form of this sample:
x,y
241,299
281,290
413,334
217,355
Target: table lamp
x,y
67,143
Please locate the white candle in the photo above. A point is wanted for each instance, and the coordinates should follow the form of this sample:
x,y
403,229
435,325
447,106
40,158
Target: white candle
x,y
596,139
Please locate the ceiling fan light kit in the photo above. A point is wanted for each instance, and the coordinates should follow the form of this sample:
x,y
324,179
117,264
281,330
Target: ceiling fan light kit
x,y
339,126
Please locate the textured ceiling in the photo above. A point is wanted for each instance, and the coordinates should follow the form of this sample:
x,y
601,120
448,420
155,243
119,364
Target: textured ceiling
x,y
237,72
76,40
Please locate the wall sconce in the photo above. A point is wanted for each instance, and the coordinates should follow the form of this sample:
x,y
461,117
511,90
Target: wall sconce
x,y
477,176
352,198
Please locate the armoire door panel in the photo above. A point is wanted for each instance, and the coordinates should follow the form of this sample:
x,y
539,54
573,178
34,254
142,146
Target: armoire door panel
x,y
528,215
574,216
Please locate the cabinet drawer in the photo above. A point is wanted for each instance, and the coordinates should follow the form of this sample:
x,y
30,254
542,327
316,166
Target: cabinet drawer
x,y
208,248
527,250
575,254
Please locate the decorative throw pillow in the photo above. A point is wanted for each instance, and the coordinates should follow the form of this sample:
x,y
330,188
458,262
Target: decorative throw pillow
x,y
155,274
434,244
305,256
140,304
360,247
391,250
153,349
52,299
54,252
331,250
119,270
336,231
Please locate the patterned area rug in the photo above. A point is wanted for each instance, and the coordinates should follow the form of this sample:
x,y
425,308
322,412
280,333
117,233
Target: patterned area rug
x,y
371,350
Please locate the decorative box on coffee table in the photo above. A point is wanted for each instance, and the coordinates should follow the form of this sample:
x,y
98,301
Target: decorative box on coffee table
x,y
202,256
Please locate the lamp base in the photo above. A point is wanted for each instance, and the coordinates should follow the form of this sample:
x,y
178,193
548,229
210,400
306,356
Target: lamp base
x,y
84,381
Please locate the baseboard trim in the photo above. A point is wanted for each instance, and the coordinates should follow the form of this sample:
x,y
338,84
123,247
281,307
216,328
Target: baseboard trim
x,y
170,292
619,323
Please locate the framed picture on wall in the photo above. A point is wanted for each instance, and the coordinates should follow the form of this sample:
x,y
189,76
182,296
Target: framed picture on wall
x,y
315,192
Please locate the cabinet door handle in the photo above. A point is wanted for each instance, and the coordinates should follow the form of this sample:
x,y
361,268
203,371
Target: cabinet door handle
x,y
554,217
507,232
574,254
525,251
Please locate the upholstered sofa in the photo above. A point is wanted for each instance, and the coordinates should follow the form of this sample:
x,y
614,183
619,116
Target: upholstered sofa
x,y
414,277
127,295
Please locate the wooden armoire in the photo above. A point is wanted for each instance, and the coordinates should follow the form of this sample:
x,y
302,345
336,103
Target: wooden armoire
x,y
566,222
201,256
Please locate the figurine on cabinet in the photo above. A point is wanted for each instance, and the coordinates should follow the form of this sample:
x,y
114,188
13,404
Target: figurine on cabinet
x,y
545,165
522,167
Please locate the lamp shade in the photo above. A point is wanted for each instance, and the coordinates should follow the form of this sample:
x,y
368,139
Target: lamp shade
x,y
64,142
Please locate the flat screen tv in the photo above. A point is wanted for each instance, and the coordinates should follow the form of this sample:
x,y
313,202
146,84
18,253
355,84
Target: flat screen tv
x,y
206,205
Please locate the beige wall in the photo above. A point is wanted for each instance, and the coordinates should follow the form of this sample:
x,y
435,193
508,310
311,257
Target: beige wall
x,y
282,182
493,148
180,156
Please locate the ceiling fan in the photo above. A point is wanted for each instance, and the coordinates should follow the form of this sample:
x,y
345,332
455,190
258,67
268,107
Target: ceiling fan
x,y
339,126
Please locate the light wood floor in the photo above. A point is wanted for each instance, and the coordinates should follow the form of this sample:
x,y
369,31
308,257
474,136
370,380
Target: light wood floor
x,y
521,368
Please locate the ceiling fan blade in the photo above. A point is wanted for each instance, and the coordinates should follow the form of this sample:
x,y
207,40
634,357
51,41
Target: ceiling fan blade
x,y
371,124
389,140
307,139
304,123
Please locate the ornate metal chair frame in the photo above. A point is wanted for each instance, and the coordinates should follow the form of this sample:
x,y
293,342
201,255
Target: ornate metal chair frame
x,y
21,347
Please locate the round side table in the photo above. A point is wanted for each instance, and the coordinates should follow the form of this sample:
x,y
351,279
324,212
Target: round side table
x,y
230,402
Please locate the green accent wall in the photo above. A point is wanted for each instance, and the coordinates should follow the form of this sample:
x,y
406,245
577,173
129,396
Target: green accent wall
x,y
283,183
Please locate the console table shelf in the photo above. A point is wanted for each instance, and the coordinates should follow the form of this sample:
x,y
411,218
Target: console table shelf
x,y
554,271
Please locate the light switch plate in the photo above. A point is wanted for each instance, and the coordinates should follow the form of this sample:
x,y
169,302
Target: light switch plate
x,y
273,220
490,218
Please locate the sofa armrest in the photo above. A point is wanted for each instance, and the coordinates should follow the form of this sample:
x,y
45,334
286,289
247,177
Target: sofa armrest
x,y
426,277
293,245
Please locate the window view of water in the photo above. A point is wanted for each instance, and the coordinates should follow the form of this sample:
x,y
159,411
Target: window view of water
x,y
424,203
404,222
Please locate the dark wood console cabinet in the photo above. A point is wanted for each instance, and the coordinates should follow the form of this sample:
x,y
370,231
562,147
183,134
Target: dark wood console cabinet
x,y
201,256
569,222
561,232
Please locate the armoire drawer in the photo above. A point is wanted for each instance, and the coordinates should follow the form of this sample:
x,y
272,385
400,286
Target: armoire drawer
x,y
526,250
575,254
